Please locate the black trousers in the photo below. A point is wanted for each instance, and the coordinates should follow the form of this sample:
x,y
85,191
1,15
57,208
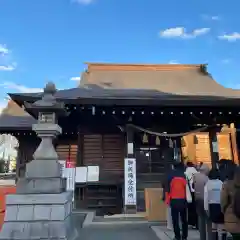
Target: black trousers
x,y
179,210
192,214
202,219
235,236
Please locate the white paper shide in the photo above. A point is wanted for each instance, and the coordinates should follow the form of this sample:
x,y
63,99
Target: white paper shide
x,y
130,181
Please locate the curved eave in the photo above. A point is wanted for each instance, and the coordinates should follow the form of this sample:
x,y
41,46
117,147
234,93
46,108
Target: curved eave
x,y
126,100
16,123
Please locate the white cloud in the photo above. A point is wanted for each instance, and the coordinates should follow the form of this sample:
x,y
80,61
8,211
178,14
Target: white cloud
x,y
211,18
5,56
230,37
215,18
85,2
173,62
75,78
3,49
3,104
7,67
180,32
20,88
226,61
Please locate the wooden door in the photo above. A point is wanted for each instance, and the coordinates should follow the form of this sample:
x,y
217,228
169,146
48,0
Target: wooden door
x,y
203,147
67,152
224,146
107,152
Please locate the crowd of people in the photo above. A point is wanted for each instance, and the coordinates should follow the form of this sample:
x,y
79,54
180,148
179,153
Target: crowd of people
x,y
205,199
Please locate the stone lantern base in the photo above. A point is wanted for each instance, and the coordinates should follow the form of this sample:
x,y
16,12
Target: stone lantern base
x,y
38,217
41,209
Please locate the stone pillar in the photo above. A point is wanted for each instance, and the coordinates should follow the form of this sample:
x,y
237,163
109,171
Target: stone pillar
x,y
130,154
42,208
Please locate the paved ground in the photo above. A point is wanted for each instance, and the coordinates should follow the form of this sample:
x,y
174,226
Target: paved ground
x,y
113,232
125,232
117,233
164,234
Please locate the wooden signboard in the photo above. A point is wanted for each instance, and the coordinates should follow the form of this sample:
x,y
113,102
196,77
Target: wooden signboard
x,y
156,209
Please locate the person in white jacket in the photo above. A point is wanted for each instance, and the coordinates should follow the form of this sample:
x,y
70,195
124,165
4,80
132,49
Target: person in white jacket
x,y
192,213
212,204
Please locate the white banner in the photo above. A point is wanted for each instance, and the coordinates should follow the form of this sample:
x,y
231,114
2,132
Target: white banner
x,y
92,173
81,175
130,181
70,174
63,166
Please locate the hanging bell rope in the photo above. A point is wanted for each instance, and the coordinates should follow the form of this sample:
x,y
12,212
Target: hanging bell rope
x,y
183,142
195,139
145,138
158,141
170,143
166,134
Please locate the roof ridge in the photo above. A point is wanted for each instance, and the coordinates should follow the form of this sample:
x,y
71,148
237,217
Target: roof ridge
x,y
141,67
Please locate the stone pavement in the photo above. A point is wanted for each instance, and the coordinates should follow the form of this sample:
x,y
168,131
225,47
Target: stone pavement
x,y
117,233
164,234
112,231
125,231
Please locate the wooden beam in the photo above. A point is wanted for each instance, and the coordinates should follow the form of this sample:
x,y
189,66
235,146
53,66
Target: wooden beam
x,y
233,138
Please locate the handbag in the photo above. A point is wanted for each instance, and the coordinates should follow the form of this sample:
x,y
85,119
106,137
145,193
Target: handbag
x,y
188,192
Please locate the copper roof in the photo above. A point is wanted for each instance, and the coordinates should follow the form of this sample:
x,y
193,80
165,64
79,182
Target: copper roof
x,y
173,83
15,118
180,79
14,110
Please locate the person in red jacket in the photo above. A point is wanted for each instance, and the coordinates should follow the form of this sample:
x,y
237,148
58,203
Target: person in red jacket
x,y
176,192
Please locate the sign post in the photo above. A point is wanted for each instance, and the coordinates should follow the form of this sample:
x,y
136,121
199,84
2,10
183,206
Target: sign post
x,y
130,197
70,174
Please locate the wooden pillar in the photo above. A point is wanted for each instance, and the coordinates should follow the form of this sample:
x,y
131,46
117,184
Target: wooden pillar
x,y
234,147
18,162
79,162
130,191
26,148
213,147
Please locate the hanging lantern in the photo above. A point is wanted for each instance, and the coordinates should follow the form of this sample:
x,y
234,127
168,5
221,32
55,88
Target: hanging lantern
x,y
170,143
145,138
158,140
195,139
183,142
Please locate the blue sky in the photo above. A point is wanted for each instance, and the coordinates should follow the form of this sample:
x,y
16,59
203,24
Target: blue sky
x,y
44,40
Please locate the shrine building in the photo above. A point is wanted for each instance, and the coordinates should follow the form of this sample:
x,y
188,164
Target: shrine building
x,y
155,113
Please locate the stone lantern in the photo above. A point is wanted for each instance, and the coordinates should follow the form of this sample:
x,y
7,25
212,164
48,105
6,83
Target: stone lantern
x,y
42,207
45,169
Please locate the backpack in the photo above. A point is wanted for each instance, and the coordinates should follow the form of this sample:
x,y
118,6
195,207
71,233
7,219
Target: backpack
x,y
236,200
178,188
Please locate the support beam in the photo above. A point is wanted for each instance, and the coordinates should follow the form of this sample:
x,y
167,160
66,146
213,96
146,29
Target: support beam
x,y
233,139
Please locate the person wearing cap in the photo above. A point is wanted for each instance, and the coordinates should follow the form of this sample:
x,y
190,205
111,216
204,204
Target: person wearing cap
x,y
199,180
